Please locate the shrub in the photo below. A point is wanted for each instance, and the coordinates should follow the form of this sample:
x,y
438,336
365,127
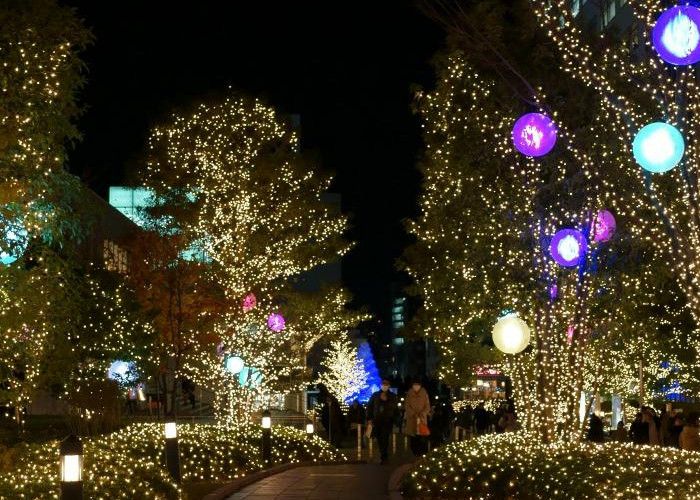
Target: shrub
x,y
516,466
129,463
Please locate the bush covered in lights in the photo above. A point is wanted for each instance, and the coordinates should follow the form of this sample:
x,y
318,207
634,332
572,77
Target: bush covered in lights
x,y
127,463
517,466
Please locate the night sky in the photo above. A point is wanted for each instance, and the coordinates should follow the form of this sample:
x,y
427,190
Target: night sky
x,y
347,68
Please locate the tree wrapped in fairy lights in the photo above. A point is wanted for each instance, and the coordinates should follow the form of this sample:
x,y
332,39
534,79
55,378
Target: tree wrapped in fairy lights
x,y
343,372
255,208
512,224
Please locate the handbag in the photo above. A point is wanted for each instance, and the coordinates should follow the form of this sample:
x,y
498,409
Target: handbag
x,y
368,431
423,429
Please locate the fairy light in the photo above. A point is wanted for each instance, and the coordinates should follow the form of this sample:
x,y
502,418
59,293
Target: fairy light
x,y
343,372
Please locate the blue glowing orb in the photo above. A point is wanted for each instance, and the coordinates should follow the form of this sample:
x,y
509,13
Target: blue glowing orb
x,y
676,35
120,370
568,247
250,377
658,147
14,243
234,365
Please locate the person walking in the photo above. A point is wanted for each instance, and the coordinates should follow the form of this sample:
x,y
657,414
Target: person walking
x,y
690,437
416,417
481,419
381,411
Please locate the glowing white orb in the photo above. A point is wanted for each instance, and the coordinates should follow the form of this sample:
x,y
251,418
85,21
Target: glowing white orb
x,y
511,334
234,365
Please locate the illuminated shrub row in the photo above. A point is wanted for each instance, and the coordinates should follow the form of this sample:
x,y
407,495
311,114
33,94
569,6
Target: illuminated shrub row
x,y
129,463
514,466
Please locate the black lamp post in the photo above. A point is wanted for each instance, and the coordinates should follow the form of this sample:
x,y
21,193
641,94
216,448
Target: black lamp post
x,y
172,450
71,451
266,425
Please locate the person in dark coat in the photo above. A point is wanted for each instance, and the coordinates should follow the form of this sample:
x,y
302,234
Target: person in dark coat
x,y
481,419
595,429
332,418
639,430
381,413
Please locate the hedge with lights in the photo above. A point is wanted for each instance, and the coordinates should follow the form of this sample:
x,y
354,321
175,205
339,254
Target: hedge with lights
x,y
128,463
515,466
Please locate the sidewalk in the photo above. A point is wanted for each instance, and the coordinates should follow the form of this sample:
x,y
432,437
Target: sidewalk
x,y
334,482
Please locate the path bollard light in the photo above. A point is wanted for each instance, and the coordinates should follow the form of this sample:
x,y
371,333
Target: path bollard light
x,y
71,451
172,450
310,429
266,425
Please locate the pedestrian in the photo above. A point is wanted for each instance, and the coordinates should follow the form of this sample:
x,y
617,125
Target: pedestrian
x,y
595,429
481,419
676,429
639,430
689,438
356,415
416,417
648,417
381,411
620,434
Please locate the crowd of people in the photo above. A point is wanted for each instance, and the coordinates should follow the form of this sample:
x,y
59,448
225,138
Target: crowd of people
x,y
479,420
666,428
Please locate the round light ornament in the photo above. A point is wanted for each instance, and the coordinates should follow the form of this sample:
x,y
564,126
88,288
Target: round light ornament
x,y
510,334
676,35
234,365
658,147
568,247
249,302
275,322
604,226
534,134
15,241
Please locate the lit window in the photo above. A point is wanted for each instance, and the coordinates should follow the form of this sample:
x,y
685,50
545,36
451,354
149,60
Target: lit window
x,y
115,257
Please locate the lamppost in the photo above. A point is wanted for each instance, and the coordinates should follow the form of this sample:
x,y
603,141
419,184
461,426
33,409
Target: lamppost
x,y
71,452
172,450
309,429
266,425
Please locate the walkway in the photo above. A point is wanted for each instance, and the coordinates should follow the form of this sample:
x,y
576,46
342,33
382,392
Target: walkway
x,y
368,481
336,482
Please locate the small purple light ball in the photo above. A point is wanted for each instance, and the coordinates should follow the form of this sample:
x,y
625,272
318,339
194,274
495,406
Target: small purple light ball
x,y
534,134
568,247
676,35
275,322
603,226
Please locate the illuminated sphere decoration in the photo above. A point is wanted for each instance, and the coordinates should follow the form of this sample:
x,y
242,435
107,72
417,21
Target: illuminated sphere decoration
x,y
234,365
249,302
14,243
568,247
658,147
275,322
603,226
534,134
119,370
676,35
510,334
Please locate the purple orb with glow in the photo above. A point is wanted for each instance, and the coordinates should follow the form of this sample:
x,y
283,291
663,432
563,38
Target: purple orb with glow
x,y
603,226
676,35
534,134
275,322
568,246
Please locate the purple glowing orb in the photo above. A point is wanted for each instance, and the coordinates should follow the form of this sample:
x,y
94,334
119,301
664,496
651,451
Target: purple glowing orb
x,y
275,322
676,35
534,134
568,247
603,226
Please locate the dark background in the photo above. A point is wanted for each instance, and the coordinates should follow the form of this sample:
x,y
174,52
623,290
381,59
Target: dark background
x,y
348,68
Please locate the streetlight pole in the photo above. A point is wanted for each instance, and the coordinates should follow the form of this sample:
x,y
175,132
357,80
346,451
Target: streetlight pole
x,y
172,451
266,425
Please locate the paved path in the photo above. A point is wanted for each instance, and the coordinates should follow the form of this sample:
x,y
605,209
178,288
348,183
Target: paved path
x,y
336,482
333,482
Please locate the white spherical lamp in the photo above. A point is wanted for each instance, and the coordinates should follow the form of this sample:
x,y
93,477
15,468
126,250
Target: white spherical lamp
x,y
511,334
